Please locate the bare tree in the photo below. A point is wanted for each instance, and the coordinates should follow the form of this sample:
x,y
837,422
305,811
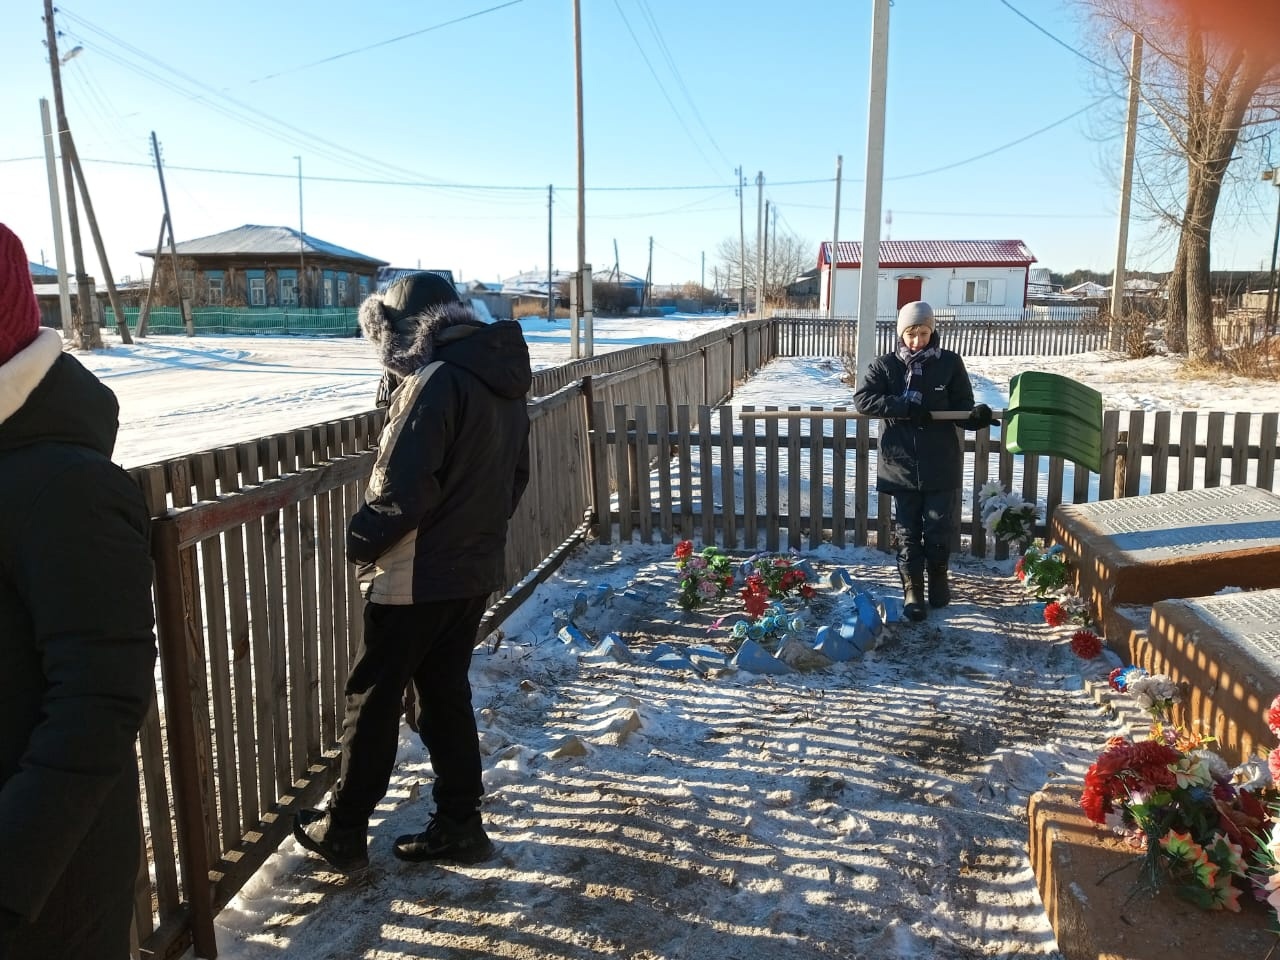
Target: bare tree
x,y
1209,98
789,256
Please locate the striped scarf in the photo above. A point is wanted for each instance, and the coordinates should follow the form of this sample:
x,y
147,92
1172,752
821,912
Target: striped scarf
x,y
916,362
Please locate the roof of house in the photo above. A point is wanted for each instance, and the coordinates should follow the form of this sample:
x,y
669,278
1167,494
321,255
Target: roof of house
x,y
620,278
1088,289
933,253
386,276
263,241
40,272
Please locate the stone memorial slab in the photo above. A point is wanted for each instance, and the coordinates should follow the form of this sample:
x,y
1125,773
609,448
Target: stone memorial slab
x,y
1086,875
1188,543
1227,650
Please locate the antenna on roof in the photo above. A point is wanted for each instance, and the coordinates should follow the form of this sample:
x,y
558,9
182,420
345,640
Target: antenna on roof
x,y
888,222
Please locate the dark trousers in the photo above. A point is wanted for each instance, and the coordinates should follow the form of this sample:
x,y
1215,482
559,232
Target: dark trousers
x,y
923,522
430,644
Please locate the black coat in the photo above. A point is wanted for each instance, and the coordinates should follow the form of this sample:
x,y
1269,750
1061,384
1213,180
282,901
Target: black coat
x,y
78,651
912,458
453,461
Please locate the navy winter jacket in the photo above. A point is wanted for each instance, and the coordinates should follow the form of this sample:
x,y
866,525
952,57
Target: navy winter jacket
x,y
911,458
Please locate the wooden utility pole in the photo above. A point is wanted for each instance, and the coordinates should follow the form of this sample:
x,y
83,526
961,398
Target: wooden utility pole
x,y
647,296
835,244
584,278
759,244
764,260
86,327
173,248
302,236
742,246
144,315
122,325
551,287
1126,189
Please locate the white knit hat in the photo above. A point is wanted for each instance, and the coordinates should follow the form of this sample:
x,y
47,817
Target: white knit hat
x,y
917,313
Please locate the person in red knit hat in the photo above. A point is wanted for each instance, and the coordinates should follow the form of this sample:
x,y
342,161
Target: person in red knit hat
x,y
76,641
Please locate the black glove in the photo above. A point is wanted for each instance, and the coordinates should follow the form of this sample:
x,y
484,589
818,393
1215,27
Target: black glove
x,y
980,418
919,415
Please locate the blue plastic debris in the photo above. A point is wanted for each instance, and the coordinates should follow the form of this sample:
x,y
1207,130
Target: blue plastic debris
x,y
675,661
660,650
579,604
754,658
870,612
571,636
707,657
837,644
839,579
892,609
603,594
613,647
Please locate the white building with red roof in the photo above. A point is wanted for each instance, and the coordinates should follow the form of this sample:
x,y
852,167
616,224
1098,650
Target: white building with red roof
x,y
957,277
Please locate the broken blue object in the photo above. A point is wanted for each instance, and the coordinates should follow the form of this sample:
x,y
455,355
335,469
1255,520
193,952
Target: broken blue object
x,y
839,579
613,647
805,567
571,636
869,614
579,604
892,609
660,650
705,656
754,658
833,644
675,661
603,594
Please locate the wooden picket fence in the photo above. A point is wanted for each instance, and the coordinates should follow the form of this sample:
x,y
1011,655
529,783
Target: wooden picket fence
x,y
259,613
795,478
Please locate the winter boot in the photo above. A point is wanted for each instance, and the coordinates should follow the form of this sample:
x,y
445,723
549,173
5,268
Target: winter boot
x,y
344,848
939,587
913,606
458,841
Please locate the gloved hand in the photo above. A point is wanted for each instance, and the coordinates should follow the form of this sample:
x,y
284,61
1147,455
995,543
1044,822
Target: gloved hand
x,y
919,415
980,418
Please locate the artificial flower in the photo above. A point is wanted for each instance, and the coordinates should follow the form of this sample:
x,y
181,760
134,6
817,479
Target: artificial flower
x,y
1086,644
1054,615
1273,716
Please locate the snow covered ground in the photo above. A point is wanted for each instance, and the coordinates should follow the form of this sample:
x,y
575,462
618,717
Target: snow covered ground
x,y
872,810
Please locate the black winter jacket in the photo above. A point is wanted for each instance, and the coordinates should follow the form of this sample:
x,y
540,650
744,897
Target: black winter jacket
x,y
913,458
453,458
78,652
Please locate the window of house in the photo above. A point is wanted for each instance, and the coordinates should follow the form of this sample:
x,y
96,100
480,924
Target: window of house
x,y
328,292
257,291
287,283
363,286
976,291
216,287
342,291
188,284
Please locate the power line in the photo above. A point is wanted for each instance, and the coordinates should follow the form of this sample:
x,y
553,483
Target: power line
x,y
383,43
1061,43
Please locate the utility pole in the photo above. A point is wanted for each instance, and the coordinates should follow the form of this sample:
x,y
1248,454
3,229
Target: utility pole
x,y
759,244
742,247
302,235
55,207
1126,188
122,325
869,273
584,279
1272,307
183,300
835,245
87,328
702,284
648,280
764,261
551,273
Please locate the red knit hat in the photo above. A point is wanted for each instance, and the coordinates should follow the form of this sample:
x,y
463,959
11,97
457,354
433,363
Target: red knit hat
x,y
19,313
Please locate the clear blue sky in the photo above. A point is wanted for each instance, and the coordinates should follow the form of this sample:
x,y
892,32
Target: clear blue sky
x,y
474,119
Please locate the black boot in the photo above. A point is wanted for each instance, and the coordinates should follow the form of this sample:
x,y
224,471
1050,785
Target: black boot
x,y
939,587
346,848
458,841
913,606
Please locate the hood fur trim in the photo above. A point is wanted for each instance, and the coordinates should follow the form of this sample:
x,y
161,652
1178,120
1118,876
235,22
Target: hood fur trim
x,y
409,343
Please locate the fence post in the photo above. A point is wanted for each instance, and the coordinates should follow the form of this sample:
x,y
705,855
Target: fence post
x,y
1121,464
175,579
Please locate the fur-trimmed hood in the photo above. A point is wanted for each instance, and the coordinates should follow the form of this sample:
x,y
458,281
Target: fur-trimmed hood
x,y
409,343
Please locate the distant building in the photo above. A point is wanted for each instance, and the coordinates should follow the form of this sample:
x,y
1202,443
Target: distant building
x,y
955,276
1088,290
259,266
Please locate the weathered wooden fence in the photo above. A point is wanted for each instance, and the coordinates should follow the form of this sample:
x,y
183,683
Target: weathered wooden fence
x,y
258,611
743,479
1031,333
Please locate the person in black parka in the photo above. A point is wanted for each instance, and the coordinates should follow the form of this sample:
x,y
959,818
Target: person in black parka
x,y
919,458
77,645
430,539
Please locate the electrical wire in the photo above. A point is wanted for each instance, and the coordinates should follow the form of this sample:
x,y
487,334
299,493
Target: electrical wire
x,y
1061,43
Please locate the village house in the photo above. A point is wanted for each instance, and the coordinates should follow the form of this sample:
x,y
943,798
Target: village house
x,y
958,277
260,266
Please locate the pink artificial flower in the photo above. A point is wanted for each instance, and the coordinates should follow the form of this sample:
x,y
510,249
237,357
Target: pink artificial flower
x,y
1273,716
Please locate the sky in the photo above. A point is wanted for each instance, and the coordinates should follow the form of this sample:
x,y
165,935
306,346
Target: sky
x,y
640,811
427,134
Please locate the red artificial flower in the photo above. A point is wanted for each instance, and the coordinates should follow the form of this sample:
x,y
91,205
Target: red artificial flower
x,y
1054,615
807,592
684,549
1086,644
1113,679
1273,716
1020,568
1122,767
